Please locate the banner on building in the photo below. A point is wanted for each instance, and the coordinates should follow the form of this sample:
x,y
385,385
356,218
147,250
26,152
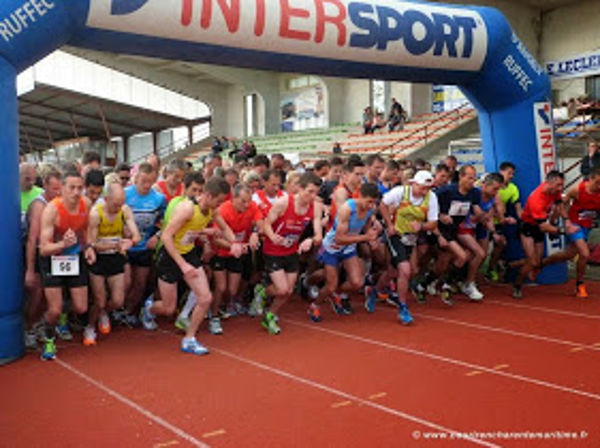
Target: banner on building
x,y
447,98
587,64
303,109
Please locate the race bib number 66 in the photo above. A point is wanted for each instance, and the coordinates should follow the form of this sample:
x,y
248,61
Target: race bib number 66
x,y
65,265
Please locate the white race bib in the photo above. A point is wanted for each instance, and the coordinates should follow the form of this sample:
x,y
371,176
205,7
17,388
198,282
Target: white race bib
x,y
189,238
64,265
290,240
109,240
459,208
409,239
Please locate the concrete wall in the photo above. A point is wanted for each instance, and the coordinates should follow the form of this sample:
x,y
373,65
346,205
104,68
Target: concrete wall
x,y
569,31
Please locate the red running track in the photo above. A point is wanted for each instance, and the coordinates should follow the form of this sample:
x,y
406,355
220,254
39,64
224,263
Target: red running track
x,y
525,369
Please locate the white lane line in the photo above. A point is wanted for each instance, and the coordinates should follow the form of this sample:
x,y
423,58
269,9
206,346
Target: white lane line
x,y
350,397
145,412
447,360
544,309
509,332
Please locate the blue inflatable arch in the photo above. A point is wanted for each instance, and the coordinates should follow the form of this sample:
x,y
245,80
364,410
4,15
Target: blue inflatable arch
x,y
472,47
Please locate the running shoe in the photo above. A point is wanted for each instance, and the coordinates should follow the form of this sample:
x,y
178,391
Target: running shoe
x,y
89,336
404,315
314,313
517,292
146,316
493,275
104,323
471,291
191,345
131,320
336,304
258,302
214,326
370,298
393,299
62,328
31,338
346,305
382,296
270,323
446,294
582,291
431,289
182,323
418,291
226,313
48,350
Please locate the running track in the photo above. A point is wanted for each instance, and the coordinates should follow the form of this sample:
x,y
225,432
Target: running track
x,y
362,380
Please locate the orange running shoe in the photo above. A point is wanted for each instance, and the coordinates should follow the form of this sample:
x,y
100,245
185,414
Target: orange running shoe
x,y
89,337
582,291
104,323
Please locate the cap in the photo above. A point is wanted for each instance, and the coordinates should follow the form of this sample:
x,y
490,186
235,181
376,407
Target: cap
x,y
423,177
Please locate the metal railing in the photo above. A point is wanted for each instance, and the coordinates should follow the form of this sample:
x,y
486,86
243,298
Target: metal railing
x,y
174,146
428,128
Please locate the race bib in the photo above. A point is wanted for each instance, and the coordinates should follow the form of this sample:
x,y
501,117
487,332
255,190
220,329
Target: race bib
x,y
240,236
289,240
588,214
189,238
111,240
409,239
64,265
459,208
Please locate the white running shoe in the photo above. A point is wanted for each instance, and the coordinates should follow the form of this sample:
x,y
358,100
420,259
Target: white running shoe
x,y
471,291
431,289
214,326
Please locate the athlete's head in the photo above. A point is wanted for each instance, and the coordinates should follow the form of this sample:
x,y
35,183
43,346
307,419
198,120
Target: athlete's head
x,y
72,187
309,187
232,177
442,174
391,172
555,181
421,182
145,178
466,177
369,195
216,189
507,169
451,162
375,166
292,182
193,184
594,179
252,179
51,180
28,176
271,182
175,172
242,197
94,184
114,197
336,165
492,184
322,168
354,170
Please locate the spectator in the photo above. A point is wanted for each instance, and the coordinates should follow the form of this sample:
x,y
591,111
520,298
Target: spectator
x,y
337,149
397,116
217,146
592,160
368,120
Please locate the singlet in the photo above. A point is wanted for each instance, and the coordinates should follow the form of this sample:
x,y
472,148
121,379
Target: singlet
x,y
355,225
109,231
333,211
407,213
241,224
584,209
26,199
41,198
77,222
485,207
538,205
185,237
264,202
290,226
162,185
147,211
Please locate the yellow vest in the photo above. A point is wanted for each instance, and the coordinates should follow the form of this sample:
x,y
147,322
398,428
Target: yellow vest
x,y
408,213
110,229
186,236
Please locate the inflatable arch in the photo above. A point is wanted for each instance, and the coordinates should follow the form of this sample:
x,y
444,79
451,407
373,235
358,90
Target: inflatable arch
x,y
472,47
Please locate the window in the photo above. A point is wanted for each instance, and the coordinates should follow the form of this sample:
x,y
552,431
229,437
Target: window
x,y
592,87
378,96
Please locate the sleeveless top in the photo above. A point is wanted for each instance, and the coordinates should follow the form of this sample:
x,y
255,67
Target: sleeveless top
x,y
185,237
355,225
77,222
407,213
110,230
584,210
333,211
265,205
290,226
162,186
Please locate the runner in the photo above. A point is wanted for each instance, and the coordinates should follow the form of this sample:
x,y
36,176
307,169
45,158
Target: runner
x,y
63,255
108,220
284,225
148,207
178,260
542,207
245,219
584,201
172,186
51,181
415,209
339,249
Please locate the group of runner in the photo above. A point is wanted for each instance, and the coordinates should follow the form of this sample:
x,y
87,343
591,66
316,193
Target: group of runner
x,y
220,242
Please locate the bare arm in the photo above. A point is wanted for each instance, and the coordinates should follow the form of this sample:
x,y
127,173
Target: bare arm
x,y
276,211
35,214
317,225
341,235
47,245
183,213
131,225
